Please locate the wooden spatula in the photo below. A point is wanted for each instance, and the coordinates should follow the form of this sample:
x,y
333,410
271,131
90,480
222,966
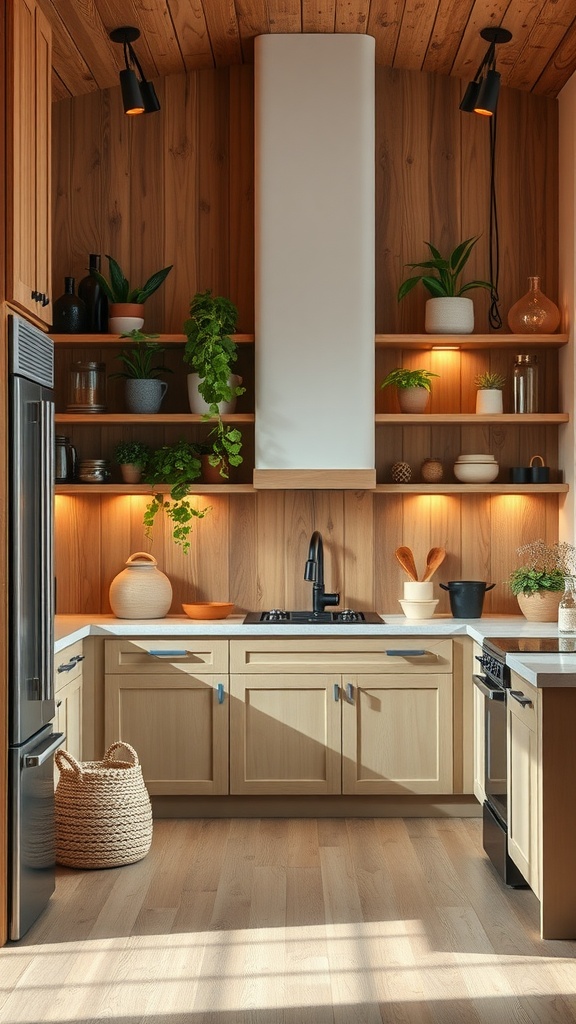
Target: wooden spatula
x,y
406,559
434,558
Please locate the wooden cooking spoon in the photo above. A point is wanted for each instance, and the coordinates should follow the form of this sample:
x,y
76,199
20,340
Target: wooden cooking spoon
x,y
406,559
434,558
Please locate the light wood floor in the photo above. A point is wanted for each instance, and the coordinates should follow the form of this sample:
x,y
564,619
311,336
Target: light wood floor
x,y
281,921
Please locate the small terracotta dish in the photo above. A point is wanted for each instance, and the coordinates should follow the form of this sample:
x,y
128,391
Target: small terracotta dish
x,y
208,609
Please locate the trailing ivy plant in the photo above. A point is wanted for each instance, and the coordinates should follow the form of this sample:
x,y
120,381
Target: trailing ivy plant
x,y
178,465
211,353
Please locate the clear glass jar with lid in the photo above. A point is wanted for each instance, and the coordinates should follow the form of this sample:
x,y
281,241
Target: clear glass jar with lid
x,y
525,384
87,387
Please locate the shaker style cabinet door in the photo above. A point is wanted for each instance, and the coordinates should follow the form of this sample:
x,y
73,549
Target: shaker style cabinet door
x,y
523,825
285,734
28,121
397,734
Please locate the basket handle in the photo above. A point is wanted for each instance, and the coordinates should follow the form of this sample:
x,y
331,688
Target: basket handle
x,y
63,758
114,746
537,457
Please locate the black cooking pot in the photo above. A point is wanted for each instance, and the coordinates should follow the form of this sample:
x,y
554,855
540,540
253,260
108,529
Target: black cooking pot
x,y
466,597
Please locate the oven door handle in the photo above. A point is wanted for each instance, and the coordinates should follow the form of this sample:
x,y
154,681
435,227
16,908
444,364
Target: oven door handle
x,y
491,692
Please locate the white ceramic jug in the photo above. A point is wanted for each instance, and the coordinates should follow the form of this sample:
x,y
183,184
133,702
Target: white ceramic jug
x,y
141,590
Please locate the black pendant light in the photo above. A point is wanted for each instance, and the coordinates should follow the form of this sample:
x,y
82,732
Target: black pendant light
x,y
138,97
481,96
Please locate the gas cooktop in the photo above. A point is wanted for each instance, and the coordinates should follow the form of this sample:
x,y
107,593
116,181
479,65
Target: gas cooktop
x,y
530,645
276,616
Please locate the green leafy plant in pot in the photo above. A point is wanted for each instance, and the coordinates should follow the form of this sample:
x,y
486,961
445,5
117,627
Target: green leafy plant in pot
x,y
132,457
442,280
211,354
144,391
178,465
412,387
539,583
125,304
489,394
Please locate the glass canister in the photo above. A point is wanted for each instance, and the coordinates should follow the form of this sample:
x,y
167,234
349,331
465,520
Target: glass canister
x,y
567,608
534,313
87,387
525,384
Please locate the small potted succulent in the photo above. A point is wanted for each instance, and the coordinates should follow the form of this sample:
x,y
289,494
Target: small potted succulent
x,y
126,304
489,394
539,583
144,392
132,457
449,310
412,388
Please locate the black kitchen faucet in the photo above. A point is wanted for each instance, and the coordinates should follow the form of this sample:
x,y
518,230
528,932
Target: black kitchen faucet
x,y
314,573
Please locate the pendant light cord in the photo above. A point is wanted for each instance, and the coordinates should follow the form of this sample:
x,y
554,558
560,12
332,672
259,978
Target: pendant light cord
x,y
494,318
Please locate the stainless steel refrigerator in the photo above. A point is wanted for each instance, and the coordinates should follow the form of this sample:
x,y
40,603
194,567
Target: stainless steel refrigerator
x,y
32,740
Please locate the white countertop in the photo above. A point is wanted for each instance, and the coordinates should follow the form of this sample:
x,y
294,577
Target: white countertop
x,y
549,670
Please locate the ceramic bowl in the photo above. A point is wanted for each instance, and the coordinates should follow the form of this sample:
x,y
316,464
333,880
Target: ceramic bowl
x,y
208,609
476,472
418,609
475,458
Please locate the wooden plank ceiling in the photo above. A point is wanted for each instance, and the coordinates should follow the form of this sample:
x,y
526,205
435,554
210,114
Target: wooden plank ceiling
x,y
440,36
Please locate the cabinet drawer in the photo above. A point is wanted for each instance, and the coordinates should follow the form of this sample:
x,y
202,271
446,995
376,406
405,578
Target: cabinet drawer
x,y
389,654
68,665
148,656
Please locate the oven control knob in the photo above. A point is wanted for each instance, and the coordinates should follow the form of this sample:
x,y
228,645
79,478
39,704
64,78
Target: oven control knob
x,y
275,614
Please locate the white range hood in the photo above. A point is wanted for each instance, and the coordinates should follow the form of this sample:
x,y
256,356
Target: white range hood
x,y
314,323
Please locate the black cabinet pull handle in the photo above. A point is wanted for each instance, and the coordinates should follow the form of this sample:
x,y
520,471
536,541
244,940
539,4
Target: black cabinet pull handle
x,y
519,696
405,654
45,299
35,296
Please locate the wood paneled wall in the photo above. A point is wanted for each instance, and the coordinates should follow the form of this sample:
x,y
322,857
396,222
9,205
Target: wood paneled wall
x,y
177,187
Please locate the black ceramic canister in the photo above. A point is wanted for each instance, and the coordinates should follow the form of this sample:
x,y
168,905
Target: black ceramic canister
x,y
69,315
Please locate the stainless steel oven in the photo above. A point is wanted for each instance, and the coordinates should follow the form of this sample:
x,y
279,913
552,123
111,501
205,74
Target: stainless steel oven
x,y
493,680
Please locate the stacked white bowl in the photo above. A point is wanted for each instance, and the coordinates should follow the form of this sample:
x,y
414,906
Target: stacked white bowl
x,y
418,602
476,469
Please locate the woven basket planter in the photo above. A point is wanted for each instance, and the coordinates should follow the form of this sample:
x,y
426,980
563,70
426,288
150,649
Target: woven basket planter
x,y
542,606
103,811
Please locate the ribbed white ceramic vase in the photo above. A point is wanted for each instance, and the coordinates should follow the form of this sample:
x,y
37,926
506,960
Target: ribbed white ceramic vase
x,y
489,401
141,590
450,315
197,403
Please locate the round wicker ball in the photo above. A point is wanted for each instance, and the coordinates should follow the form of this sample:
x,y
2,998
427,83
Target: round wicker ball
x,y
401,473
432,471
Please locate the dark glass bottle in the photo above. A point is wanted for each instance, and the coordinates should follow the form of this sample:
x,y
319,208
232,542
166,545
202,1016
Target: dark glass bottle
x,y
69,311
96,302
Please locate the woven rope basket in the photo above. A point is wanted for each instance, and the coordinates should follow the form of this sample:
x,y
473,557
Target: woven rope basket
x,y
103,811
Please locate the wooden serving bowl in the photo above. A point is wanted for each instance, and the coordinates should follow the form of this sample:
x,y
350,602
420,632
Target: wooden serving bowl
x,y
208,609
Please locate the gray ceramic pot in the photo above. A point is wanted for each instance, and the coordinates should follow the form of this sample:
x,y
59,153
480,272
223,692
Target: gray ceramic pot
x,y
144,396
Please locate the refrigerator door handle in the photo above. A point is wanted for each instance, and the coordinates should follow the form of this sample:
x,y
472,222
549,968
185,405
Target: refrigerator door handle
x,y
35,760
47,441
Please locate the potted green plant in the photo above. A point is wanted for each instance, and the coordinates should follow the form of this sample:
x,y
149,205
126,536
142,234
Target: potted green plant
x,y
489,395
448,311
412,388
132,457
126,304
212,385
178,465
144,391
539,583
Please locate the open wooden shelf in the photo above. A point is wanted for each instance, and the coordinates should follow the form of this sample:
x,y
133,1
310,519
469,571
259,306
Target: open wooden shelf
x,y
98,340
422,488
400,419
148,491
448,341
103,418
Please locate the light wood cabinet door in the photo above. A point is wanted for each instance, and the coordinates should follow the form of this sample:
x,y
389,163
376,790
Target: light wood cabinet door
x,y
68,717
523,823
397,734
178,725
29,71
285,734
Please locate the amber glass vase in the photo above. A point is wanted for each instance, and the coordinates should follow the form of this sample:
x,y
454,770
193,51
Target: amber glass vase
x,y
534,313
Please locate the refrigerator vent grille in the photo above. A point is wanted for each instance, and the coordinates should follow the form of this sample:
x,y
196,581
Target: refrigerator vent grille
x,y
32,353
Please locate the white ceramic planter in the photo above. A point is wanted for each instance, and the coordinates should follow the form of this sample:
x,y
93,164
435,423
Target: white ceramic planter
x,y
450,315
489,400
197,403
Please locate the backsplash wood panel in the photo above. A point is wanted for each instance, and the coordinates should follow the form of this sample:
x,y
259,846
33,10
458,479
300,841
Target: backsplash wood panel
x,y
179,188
